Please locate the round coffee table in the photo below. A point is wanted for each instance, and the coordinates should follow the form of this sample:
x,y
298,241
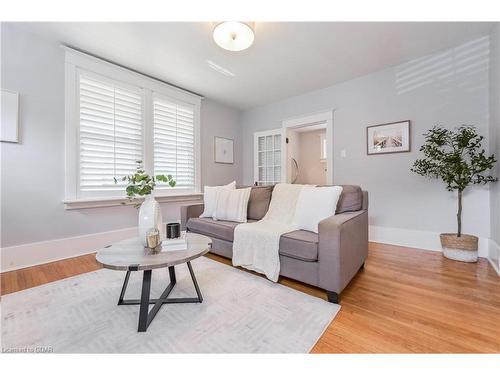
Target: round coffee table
x,y
130,255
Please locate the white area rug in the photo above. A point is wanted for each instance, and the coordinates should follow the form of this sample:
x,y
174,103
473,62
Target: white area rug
x,y
240,313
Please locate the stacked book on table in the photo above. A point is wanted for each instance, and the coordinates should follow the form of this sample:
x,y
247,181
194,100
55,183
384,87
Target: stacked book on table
x,y
173,244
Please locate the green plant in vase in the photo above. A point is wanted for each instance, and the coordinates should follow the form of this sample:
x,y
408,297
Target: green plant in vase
x,y
141,184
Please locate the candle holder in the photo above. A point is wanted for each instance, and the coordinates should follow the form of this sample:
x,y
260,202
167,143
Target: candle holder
x,y
173,230
153,240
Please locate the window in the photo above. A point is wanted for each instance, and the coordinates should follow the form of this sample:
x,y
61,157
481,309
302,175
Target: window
x,y
174,141
110,133
115,117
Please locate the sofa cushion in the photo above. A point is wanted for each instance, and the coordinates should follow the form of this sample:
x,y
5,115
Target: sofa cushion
x,y
351,199
232,205
300,244
258,204
210,198
213,228
223,230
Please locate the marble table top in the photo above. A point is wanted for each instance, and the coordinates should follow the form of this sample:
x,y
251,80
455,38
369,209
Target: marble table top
x,y
130,254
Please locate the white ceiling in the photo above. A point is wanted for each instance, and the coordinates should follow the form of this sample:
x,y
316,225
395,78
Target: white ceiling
x,y
286,59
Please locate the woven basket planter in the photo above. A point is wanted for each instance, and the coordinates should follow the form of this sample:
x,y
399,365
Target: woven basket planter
x,y
463,248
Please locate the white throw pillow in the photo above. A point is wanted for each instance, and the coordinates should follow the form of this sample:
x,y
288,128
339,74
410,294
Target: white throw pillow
x,y
210,197
232,205
315,204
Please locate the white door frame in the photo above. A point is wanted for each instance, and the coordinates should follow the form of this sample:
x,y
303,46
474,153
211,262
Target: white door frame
x,y
311,119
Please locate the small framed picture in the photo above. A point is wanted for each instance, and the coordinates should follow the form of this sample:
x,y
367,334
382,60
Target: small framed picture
x,y
9,120
224,150
388,138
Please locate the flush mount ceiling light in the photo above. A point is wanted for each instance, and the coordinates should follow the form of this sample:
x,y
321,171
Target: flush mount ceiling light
x,y
234,35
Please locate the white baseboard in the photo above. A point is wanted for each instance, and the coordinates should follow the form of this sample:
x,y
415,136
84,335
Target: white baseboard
x,y
32,254
416,238
494,256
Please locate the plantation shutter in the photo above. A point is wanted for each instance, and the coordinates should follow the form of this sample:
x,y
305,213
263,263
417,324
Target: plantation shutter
x,y
174,141
110,133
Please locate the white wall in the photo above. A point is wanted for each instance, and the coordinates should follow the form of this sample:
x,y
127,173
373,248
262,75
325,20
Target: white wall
x,y
447,88
33,170
495,143
219,120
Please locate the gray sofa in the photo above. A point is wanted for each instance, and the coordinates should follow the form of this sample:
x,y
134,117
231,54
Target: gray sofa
x,y
328,260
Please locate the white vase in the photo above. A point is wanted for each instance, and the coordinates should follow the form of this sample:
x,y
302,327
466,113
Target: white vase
x,y
150,217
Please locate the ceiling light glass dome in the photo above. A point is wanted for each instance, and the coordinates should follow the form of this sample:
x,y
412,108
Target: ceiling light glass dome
x,y
234,35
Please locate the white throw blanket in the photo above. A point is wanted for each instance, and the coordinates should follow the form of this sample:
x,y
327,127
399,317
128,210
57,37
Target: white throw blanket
x,y
256,245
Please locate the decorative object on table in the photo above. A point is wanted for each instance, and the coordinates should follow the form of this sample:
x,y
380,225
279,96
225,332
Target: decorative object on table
x,y
224,150
141,184
153,240
388,138
173,230
10,113
175,244
457,158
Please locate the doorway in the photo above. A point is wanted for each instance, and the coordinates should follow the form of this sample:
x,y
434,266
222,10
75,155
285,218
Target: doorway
x,y
308,149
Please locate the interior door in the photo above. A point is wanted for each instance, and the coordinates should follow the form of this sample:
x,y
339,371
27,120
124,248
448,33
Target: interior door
x,y
267,157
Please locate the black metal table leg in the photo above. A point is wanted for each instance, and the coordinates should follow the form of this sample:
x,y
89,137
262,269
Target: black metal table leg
x,y
171,271
146,316
124,288
198,292
144,309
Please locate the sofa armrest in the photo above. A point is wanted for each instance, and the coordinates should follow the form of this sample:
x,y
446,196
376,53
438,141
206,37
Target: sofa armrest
x,y
187,212
343,248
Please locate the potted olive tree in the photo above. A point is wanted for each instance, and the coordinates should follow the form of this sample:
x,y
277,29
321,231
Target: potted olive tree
x,y
458,159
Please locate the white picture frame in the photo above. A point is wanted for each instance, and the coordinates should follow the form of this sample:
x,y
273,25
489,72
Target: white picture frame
x,y
223,150
393,137
9,119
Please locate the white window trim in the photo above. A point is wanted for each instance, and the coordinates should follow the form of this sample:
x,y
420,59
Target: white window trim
x,y
121,201
75,61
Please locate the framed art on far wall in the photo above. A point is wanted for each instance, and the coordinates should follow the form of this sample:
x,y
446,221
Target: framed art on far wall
x,y
223,150
388,138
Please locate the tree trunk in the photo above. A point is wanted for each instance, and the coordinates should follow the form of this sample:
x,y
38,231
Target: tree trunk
x,y
459,214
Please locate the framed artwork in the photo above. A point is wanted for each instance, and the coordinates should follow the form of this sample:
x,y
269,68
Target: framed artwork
x,y
224,150
9,120
388,138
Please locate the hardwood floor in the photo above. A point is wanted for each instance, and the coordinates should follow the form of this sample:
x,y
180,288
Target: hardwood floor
x,y
404,301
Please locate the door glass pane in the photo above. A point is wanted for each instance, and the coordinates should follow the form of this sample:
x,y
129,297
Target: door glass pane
x,y
269,142
262,158
270,174
262,145
277,174
262,174
277,142
277,157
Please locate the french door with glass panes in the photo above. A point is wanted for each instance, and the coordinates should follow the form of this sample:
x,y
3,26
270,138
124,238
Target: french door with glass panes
x,y
267,157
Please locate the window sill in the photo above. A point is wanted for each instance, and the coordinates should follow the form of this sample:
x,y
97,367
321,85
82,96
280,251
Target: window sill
x,y
77,204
